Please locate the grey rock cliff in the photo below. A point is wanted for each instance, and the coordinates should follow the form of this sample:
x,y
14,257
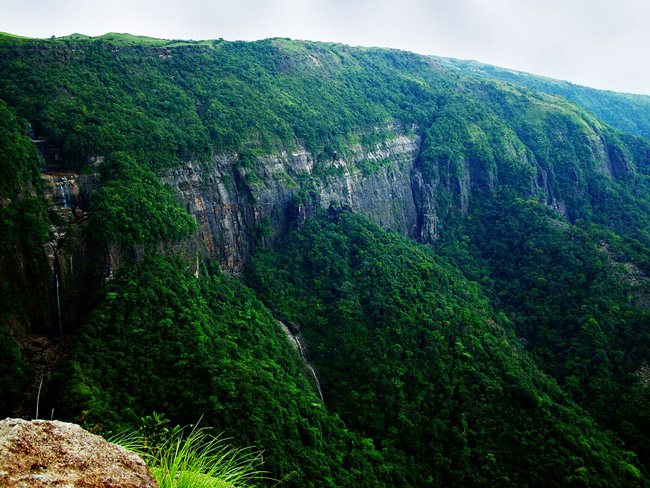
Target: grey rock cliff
x,y
237,205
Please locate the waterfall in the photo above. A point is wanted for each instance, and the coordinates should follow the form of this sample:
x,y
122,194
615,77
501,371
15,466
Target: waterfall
x,y
320,392
65,200
58,294
295,342
40,146
301,350
65,195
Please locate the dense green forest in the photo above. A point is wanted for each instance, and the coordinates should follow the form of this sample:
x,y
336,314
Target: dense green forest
x,y
23,229
161,340
163,102
508,347
572,302
438,376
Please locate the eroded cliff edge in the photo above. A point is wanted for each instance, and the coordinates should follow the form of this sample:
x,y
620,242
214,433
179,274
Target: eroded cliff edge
x,y
239,204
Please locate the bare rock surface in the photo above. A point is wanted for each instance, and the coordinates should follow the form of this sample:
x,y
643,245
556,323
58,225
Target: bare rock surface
x,y
44,454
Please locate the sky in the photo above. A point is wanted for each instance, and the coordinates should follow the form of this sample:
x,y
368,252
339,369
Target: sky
x,y
597,43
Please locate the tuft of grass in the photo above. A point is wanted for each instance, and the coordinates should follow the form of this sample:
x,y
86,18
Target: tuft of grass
x,y
197,460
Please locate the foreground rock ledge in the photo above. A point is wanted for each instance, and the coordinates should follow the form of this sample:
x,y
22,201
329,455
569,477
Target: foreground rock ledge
x,y
44,454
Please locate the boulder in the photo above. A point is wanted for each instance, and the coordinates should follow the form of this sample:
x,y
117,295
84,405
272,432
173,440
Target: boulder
x,y
45,454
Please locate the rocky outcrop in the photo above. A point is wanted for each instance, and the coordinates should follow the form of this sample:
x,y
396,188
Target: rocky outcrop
x,y
428,221
47,454
69,193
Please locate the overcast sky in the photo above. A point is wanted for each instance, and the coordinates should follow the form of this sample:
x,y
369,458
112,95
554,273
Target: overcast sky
x,y
600,43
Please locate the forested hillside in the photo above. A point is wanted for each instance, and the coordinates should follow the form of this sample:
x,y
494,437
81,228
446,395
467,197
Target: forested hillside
x,y
372,266
438,376
625,111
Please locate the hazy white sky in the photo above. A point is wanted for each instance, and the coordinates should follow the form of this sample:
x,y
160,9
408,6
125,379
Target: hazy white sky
x,y
599,43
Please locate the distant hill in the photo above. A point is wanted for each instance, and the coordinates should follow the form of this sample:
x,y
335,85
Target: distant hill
x,y
625,111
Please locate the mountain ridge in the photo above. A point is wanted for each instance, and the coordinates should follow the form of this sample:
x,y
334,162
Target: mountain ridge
x,y
625,111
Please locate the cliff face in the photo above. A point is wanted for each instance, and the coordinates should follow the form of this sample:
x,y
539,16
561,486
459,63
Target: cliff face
x,y
471,135
237,205
67,195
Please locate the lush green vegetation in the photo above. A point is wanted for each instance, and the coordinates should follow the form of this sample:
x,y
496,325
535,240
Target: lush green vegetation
x,y
166,101
162,339
192,457
132,207
23,225
438,382
625,111
188,457
14,372
198,461
24,277
568,294
541,147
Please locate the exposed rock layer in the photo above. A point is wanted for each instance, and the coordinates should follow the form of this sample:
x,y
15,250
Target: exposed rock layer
x,y
241,203
236,205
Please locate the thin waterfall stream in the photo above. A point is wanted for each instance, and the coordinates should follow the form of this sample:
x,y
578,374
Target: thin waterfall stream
x,y
65,195
58,293
295,341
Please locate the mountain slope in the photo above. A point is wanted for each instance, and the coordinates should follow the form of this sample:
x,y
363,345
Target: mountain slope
x,y
625,111
434,376
161,339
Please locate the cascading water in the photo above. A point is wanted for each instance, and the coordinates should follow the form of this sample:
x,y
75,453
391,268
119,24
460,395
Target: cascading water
x,y
40,146
295,341
58,294
65,195
304,358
